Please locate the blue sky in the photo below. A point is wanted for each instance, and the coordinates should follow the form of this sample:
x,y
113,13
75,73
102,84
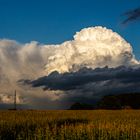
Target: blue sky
x,y
56,21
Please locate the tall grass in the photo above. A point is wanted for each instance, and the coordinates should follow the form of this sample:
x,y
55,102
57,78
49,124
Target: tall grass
x,y
70,125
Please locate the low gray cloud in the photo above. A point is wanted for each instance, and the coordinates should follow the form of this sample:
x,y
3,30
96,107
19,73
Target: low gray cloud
x,y
88,85
75,80
132,15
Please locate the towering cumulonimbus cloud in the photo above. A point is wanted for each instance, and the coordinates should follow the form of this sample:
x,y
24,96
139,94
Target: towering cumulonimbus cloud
x,y
94,47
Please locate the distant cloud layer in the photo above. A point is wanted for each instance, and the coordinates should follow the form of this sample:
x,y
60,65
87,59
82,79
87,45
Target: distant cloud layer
x,y
98,61
132,15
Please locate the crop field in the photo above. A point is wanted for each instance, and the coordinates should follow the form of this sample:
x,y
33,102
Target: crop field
x,y
70,125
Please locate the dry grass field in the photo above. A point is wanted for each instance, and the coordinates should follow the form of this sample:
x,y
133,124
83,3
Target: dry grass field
x,y
70,125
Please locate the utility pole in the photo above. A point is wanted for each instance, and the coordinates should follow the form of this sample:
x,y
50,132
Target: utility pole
x,y
15,102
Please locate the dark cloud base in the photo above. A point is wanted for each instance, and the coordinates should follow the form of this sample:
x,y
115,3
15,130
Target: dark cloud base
x,y
87,85
77,80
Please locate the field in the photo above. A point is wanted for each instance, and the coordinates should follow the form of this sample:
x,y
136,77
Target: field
x,y
70,125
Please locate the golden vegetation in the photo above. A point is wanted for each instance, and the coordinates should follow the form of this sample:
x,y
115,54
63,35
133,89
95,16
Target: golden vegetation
x,y
70,125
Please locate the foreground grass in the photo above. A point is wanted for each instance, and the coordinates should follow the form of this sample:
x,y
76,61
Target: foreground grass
x,y
70,125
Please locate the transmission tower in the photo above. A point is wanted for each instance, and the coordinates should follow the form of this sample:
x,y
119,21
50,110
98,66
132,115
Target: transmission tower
x,y
15,102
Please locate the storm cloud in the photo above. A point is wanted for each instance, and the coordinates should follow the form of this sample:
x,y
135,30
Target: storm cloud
x,y
122,75
88,85
96,62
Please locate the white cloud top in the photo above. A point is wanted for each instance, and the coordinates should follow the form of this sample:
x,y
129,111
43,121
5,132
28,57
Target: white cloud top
x,y
92,47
